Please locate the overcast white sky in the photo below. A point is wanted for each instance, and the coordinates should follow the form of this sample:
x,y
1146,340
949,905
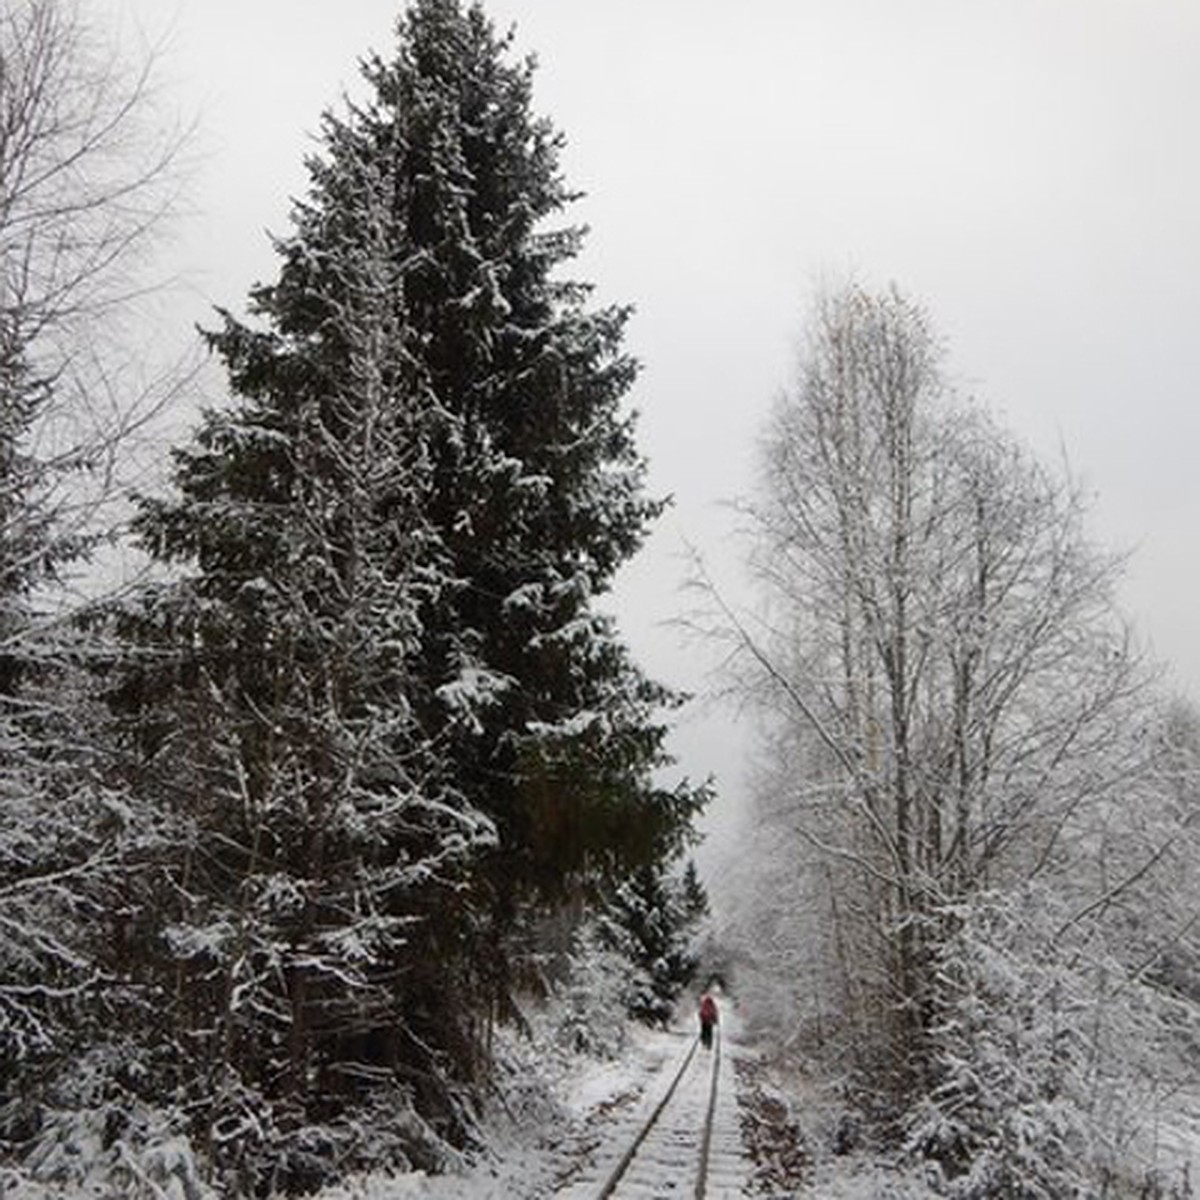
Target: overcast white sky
x,y
1028,169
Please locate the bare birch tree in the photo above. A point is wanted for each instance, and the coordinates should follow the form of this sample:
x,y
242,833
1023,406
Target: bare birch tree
x,y
942,640
89,174
87,177
975,807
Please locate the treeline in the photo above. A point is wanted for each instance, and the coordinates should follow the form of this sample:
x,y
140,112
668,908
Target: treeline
x,y
977,799
290,825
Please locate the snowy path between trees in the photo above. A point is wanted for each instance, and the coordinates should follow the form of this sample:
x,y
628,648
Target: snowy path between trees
x,y
766,1138
607,1105
681,1155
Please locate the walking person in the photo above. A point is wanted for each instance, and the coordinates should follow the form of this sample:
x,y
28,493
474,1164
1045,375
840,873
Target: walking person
x,y
708,1018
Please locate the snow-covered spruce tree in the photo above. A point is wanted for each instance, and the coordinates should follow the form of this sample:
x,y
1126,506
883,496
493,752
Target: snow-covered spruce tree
x,y
957,713
378,688
321,906
656,914
538,492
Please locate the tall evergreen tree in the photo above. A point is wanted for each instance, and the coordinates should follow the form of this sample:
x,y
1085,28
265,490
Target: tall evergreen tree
x,y
392,712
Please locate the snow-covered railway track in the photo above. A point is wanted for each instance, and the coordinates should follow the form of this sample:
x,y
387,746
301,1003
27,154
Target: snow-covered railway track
x,y
672,1145
686,1145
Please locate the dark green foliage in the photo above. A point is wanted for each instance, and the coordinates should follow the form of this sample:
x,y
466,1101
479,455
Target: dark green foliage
x,y
657,914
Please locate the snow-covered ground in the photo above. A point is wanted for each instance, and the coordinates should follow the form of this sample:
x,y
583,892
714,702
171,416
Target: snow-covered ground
x,y
602,1103
561,1133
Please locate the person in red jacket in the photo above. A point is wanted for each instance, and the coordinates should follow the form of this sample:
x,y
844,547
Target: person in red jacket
x,y
708,1018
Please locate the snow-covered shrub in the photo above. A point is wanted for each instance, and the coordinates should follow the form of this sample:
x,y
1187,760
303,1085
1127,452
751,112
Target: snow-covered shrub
x,y
602,986
1012,1056
385,1133
97,1137
272,1145
525,1062
148,1162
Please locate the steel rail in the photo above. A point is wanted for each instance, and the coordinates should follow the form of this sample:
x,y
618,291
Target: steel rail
x,y
706,1136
